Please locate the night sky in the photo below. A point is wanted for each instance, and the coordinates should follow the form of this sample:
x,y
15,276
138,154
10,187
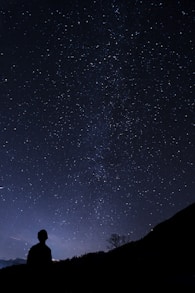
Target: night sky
x,y
96,120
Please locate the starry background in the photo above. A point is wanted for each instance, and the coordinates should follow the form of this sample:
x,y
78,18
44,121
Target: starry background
x,y
96,120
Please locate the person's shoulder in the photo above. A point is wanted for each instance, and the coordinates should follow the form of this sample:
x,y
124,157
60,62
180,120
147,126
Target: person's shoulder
x,y
34,246
48,248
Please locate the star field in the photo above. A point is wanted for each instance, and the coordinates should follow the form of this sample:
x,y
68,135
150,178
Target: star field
x,y
96,120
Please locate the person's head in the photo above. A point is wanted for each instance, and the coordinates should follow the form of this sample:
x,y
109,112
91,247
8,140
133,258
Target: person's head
x,y
42,235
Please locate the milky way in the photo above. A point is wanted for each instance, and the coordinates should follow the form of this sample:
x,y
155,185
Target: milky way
x,y
96,120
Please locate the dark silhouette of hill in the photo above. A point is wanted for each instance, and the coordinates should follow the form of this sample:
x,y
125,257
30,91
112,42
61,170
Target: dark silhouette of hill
x,y
10,262
165,257
162,261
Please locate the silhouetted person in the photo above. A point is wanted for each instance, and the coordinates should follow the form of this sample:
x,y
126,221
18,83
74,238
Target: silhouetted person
x,y
39,255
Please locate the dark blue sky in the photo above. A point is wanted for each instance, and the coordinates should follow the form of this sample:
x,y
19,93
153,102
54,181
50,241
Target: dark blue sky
x,y
96,120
